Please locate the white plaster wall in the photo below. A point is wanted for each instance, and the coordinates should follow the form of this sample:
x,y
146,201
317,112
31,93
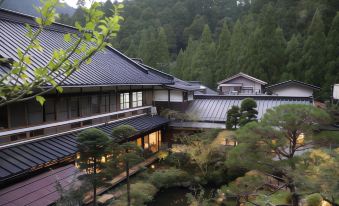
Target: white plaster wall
x,y
160,95
176,96
293,91
244,82
190,96
336,91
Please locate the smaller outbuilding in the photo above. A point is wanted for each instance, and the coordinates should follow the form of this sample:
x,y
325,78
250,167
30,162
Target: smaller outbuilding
x,y
241,84
292,88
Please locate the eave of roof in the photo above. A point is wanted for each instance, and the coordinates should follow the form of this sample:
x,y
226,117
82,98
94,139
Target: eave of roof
x,y
293,82
245,76
17,160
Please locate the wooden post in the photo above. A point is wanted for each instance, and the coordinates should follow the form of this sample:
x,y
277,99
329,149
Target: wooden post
x,y
128,184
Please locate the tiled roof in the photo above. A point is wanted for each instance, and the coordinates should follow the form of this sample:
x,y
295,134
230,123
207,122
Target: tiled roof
x,y
19,159
204,89
108,67
177,83
183,85
213,108
41,189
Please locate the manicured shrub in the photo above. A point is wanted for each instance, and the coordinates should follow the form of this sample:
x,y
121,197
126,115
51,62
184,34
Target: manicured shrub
x,y
314,200
178,159
122,132
165,178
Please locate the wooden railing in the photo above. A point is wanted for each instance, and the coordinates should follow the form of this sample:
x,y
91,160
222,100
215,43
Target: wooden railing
x,y
21,134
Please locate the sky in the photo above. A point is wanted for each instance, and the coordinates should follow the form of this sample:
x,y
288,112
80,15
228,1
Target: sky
x,y
73,3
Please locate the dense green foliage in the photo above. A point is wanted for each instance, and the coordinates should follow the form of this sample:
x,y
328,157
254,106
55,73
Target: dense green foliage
x,y
233,116
123,132
277,151
165,178
248,111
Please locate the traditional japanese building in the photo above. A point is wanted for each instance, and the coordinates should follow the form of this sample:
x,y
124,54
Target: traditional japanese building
x,y
112,90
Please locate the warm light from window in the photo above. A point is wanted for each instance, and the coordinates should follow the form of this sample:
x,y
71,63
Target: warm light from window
x,y
153,166
301,138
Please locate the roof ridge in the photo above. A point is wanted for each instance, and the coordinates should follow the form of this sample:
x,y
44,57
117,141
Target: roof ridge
x,y
243,75
6,14
295,81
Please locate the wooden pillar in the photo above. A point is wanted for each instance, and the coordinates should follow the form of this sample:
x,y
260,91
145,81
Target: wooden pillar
x,y
169,98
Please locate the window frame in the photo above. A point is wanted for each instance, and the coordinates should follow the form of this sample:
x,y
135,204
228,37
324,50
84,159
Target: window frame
x,y
137,98
124,100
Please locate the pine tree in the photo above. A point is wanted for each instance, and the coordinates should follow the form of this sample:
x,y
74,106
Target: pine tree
x,y
314,51
233,116
222,52
266,47
177,69
248,111
332,75
132,50
146,46
160,52
107,8
204,59
92,146
236,50
293,54
188,55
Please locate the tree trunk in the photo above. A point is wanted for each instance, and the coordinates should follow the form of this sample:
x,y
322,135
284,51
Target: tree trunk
x,y
128,185
95,183
238,201
295,196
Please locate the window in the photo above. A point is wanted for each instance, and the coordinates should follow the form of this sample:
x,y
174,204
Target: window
x,y
95,104
136,99
49,110
74,107
36,133
85,106
18,136
35,113
104,103
185,96
124,101
62,109
139,141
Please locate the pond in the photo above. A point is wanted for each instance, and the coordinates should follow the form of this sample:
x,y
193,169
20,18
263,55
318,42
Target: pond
x,y
175,196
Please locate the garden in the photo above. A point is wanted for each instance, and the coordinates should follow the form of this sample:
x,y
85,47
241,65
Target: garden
x,y
283,159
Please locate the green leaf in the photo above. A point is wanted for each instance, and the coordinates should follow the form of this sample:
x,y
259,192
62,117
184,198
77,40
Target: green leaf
x,y
27,59
67,37
88,61
38,21
40,99
59,89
